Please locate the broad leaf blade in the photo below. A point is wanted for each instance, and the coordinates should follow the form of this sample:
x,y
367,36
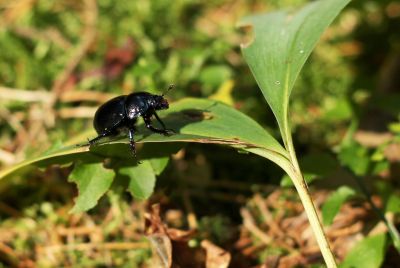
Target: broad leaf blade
x,y
215,120
194,120
368,253
356,158
159,164
142,179
332,205
282,43
93,180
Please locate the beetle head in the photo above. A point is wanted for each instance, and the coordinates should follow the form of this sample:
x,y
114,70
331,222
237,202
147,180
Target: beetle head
x,y
160,103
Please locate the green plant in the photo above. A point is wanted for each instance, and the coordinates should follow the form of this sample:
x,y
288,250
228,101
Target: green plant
x,y
283,42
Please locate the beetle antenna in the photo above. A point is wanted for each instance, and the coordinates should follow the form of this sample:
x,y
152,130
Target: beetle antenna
x,y
171,86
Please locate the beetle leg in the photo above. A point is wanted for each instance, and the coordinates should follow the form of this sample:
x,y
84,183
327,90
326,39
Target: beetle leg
x,y
148,124
132,141
159,120
106,133
165,131
93,141
100,136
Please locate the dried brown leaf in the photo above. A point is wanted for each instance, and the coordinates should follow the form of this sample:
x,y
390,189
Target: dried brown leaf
x,y
216,257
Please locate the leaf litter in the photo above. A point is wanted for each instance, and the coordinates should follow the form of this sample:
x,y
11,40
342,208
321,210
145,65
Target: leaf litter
x,y
274,233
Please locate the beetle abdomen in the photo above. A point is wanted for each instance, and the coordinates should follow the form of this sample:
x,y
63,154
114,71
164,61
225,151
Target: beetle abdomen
x,y
109,114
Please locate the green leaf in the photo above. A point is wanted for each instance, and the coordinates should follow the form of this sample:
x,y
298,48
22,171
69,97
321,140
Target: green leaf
x,y
193,120
216,121
368,253
393,203
332,205
356,158
283,41
142,179
159,164
93,180
213,76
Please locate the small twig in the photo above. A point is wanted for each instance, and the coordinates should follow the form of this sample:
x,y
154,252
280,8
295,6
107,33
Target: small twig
x,y
15,11
97,246
267,215
52,35
5,208
89,35
191,217
23,95
77,112
83,230
15,123
9,254
14,94
93,96
7,157
253,249
250,225
347,231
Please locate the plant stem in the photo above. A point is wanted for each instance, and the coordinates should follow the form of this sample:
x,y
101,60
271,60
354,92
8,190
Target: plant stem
x,y
304,194
295,174
302,189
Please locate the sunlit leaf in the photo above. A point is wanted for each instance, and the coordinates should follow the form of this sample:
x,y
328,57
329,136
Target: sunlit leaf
x,y
332,205
356,158
224,93
193,120
368,253
393,203
283,41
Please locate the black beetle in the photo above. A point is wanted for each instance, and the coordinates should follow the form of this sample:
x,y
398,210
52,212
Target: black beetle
x,y
123,111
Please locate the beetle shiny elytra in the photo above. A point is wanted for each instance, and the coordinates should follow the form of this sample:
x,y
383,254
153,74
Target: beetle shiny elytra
x,y
121,113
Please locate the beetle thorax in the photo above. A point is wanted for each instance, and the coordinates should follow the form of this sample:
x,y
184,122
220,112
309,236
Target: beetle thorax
x,y
136,105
